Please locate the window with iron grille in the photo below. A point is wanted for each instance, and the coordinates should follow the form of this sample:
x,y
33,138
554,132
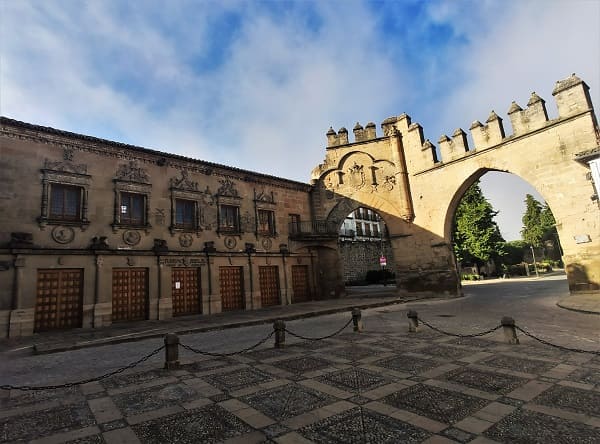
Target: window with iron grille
x,y
368,230
375,230
359,228
132,209
229,219
294,223
266,222
65,202
185,214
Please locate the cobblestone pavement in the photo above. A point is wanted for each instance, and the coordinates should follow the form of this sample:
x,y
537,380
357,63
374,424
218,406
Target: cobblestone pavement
x,y
379,386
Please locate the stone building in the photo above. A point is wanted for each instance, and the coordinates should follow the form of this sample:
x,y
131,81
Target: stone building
x,y
94,232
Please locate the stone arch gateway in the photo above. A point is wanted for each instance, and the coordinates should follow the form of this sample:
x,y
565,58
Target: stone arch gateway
x,y
400,175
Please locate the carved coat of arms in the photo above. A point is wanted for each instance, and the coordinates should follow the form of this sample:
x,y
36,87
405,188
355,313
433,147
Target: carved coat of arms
x,y
356,176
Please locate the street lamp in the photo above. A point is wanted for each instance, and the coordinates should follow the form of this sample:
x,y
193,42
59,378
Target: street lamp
x,y
534,262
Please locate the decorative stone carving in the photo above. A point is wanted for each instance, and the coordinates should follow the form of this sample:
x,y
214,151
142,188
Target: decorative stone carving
x,y
264,197
267,243
227,189
160,217
389,182
20,240
186,239
65,166
160,246
68,154
230,242
356,176
131,261
131,172
99,243
63,235
183,182
131,237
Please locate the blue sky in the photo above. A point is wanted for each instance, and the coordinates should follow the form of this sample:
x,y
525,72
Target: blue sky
x,y
256,84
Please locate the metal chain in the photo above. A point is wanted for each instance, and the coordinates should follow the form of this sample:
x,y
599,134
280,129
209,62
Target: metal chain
x,y
201,352
321,338
474,335
561,347
85,381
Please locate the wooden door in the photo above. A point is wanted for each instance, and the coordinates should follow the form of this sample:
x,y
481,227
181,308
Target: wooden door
x,y
268,277
129,294
185,291
300,284
59,299
231,280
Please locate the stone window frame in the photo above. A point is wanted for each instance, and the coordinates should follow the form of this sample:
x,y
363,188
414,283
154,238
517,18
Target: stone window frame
x,y
272,225
229,202
193,196
124,186
64,178
264,201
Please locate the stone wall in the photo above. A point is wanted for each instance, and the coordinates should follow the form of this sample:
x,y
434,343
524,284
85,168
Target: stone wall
x,y
358,257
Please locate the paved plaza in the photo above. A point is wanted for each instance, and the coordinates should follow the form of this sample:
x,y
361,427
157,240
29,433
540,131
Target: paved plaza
x,y
384,385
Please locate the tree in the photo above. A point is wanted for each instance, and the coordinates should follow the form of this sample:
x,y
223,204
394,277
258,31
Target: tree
x,y
532,231
477,238
539,224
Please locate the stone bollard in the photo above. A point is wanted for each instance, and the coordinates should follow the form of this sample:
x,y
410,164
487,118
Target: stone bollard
x,y
279,327
356,320
171,351
413,321
510,333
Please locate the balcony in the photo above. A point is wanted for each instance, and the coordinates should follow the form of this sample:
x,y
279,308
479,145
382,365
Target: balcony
x,y
313,230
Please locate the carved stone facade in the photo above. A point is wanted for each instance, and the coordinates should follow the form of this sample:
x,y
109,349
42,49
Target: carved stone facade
x,y
401,176
118,232
94,232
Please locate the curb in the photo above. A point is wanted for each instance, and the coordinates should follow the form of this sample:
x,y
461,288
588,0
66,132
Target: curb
x,y
578,310
42,349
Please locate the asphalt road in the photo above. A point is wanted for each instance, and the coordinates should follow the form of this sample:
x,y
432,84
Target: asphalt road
x,y
531,302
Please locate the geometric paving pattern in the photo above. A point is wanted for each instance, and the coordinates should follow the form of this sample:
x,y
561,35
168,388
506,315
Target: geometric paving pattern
x,y
436,403
571,399
408,364
45,422
153,398
302,364
421,389
287,401
519,364
525,426
486,381
237,379
363,426
354,380
208,424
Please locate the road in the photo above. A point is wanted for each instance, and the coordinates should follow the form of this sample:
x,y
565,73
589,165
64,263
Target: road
x,y
531,302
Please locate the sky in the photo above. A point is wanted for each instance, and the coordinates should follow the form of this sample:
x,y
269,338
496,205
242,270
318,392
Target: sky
x,y
257,84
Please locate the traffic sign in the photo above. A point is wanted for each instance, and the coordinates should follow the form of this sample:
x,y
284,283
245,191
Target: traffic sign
x,y
383,261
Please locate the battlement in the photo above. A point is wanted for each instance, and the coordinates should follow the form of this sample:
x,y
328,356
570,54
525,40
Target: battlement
x,y
571,96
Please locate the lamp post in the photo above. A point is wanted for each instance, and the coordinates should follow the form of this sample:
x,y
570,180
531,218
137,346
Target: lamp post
x,y
534,262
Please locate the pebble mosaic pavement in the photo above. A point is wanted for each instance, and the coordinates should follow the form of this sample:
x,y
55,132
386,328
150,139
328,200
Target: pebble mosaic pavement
x,y
353,388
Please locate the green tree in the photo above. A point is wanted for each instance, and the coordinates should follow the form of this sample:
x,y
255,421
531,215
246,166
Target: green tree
x,y
532,230
477,238
538,222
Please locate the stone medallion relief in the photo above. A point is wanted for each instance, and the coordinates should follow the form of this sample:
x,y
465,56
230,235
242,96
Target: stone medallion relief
x,y
63,235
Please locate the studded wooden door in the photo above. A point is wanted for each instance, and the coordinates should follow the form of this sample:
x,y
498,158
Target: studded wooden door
x,y
300,285
185,291
268,277
129,294
231,280
59,299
